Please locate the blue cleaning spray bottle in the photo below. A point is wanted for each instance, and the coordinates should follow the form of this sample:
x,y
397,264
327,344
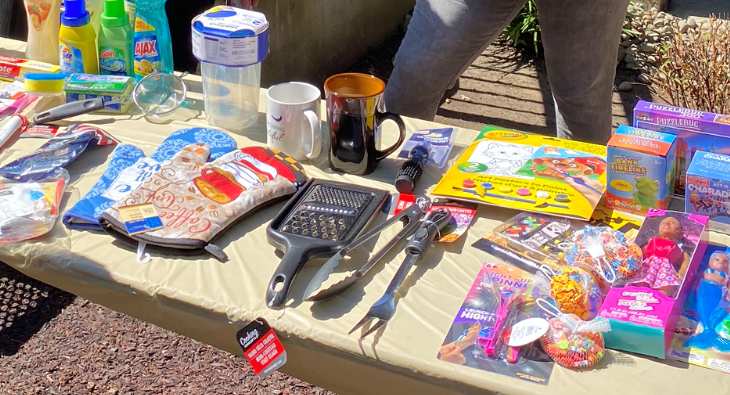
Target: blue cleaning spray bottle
x,y
152,42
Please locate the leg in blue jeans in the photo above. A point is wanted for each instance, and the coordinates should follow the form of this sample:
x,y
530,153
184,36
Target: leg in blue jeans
x,y
580,39
443,39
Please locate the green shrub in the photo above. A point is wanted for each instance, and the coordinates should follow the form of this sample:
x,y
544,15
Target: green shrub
x,y
524,31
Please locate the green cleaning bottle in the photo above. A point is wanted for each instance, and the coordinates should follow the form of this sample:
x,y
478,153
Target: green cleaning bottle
x,y
115,40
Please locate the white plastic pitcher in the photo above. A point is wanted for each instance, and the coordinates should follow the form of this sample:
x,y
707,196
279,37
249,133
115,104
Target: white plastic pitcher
x,y
231,43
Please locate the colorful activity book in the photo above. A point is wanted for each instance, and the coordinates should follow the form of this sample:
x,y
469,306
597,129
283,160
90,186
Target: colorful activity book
x,y
528,172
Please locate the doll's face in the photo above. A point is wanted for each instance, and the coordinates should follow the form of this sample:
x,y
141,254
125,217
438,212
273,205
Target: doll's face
x,y
719,262
670,228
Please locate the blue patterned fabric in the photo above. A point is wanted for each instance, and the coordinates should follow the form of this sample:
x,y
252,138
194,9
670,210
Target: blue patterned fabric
x,y
218,141
131,161
84,213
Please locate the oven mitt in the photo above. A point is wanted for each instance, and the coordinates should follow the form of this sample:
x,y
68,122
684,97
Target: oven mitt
x,y
128,168
195,201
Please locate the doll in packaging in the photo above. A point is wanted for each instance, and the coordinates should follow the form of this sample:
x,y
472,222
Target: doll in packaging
x,y
665,259
712,305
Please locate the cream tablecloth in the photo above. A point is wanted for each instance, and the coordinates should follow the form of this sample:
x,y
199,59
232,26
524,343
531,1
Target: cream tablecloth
x,y
209,301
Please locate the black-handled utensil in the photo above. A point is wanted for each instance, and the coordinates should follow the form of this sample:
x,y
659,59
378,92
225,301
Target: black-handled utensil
x,y
319,220
384,308
409,217
410,172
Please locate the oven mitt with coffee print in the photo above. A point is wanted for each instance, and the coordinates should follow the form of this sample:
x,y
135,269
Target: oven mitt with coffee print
x,y
128,168
195,201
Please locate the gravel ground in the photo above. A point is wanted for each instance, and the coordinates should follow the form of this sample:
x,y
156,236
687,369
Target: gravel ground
x,y
54,343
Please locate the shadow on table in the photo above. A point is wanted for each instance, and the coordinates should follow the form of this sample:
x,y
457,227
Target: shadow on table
x,y
26,305
238,230
339,305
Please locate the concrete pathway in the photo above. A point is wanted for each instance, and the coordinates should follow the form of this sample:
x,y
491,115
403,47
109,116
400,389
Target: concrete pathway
x,y
500,89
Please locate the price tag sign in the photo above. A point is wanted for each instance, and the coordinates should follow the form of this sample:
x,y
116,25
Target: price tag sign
x,y
527,331
140,218
261,347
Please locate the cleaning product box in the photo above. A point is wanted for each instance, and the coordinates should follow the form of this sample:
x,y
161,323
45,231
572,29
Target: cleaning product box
x,y
641,169
115,90
695,131
644,313
15,68
708,189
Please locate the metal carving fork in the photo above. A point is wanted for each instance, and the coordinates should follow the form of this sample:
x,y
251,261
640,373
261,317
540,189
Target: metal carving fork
x,y
384,308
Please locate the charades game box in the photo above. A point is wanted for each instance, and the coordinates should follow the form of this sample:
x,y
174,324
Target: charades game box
x,y
708,189
696,131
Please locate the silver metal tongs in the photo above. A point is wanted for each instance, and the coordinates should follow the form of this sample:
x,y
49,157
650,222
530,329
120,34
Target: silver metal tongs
x,y
410,217
426,233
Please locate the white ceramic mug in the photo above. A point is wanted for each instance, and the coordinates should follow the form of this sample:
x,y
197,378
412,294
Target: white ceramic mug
x,y
292,119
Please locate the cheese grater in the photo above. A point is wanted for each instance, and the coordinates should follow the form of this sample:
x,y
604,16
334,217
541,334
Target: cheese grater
x,y
320,219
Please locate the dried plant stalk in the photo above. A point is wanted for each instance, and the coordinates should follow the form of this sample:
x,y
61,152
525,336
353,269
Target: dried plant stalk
x,y
695,67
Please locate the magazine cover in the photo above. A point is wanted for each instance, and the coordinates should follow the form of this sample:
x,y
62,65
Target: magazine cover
x,y
528,172
497,287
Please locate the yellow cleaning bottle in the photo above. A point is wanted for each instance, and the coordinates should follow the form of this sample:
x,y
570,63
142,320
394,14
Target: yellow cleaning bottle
x,y
77,40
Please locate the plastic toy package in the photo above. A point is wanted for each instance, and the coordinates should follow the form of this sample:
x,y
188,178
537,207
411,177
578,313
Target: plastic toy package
x,y
605,252
50,159
528,172
573,290
574,343
500,296
702,333
30,209
643,313
531,240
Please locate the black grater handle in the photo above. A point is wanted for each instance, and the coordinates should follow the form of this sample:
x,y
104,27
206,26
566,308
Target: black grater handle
x,y
278,289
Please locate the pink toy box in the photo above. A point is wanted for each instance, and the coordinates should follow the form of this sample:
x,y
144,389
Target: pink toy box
x,y
643,313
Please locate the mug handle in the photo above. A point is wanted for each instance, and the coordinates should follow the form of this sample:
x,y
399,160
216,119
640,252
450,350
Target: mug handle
x,y
382,117
315,134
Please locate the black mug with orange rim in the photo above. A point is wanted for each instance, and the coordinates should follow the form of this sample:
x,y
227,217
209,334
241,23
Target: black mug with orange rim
x,y
354,101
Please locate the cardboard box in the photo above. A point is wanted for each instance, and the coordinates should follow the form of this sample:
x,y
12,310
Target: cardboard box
x,y
15,68
643,315
641,169
708,189
696,131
